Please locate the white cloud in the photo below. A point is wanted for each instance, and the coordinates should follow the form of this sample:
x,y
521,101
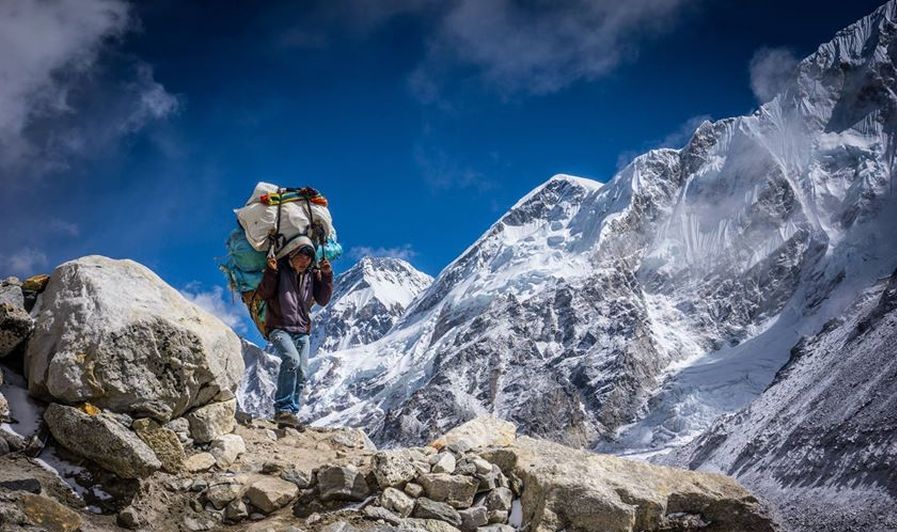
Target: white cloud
x,y
24,263
56,99
681,135
405,252
538,47
677,138
63,227
771,69
219,303
441,171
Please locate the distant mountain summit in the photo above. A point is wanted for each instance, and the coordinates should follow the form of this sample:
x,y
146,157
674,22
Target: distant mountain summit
x,y
368,299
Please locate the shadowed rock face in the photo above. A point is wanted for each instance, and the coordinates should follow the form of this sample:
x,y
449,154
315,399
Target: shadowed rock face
x,y
113,333
820,441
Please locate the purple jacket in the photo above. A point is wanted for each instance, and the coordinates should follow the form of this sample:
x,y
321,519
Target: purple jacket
x,y
289,297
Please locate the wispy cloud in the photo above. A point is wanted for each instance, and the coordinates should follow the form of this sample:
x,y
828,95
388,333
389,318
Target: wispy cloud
x,y
62,227
219,303
442,171
681,135
405,252
24,262
677,138
57,101
537,47
771,69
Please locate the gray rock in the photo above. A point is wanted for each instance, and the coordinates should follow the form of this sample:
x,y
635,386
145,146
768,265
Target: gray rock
x,y
199,462
4,410
414,490
15,326
130,518
497,516
236,510
181,427
443,463
101,439
144,350
212,420
163,442
393,468
220,495
4,446
226,449
398,502
339,526
496,528
31,485
11,292
270,494
457,491
474,517
427,525
343,483
425,508
198,523
376,513
297,476
499,499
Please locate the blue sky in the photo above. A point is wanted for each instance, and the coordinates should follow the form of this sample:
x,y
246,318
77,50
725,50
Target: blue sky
x,y
133,130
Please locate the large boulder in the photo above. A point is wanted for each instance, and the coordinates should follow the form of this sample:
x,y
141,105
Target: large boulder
x,y
101,438
482,431
576,490
111,332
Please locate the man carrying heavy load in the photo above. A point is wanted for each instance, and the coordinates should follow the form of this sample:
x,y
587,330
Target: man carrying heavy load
x,y
290,287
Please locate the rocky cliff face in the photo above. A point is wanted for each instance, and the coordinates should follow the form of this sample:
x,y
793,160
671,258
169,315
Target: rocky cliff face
x,y
821,439
630,315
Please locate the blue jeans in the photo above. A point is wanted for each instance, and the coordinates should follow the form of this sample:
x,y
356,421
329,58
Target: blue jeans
x,y
292,348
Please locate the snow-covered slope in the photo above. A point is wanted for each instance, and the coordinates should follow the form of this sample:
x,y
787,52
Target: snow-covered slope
x,y
367,300
821,441
642,309
255,396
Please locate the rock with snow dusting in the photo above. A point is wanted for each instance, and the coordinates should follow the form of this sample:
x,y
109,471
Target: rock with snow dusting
x,y
111,332
102,439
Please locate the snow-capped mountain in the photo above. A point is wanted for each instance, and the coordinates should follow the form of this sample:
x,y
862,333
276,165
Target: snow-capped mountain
x,y
821,441
255,396
367,300
634,313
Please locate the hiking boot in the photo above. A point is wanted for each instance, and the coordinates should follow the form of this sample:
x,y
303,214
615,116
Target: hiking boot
x,y
289,419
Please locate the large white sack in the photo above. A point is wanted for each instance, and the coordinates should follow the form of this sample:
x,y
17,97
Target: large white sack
x,y
258,219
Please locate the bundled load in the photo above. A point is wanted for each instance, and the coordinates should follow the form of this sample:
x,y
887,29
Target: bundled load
x,y
273,222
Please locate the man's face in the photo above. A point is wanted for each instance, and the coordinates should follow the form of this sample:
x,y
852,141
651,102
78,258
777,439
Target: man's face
x,y
300,262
